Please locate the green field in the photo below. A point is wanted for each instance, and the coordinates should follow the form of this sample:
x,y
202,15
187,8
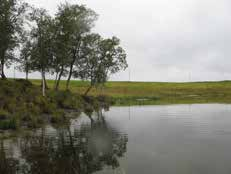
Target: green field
x,y
156,92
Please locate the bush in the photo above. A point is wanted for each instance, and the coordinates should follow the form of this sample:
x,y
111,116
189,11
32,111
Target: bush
x,y
9,124
44,105
57,117
24,83
4,114
11,105
66,99
88,109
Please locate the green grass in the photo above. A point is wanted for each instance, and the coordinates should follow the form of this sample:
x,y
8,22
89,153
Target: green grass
x,y
22,104
156,92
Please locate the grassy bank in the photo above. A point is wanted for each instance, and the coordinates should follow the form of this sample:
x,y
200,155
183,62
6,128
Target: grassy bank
x,y
22,105
125,93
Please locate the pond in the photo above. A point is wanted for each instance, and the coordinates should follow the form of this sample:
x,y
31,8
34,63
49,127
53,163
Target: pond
x,y
167,139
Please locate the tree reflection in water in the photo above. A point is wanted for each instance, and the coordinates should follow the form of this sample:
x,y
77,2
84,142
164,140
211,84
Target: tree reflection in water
x,y
82,149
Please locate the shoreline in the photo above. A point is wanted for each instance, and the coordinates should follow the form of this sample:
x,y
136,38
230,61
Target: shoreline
x,y
24,106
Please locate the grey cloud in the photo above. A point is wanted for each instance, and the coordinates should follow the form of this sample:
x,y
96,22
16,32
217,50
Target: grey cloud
x,y
166,40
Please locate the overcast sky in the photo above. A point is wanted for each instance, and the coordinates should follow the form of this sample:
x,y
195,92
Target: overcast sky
x,y
165,40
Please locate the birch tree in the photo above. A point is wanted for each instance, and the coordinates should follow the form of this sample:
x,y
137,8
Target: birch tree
x,y
102,58
42,40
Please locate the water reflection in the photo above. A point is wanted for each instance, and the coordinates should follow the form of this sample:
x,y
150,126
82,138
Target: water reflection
x,y
80,148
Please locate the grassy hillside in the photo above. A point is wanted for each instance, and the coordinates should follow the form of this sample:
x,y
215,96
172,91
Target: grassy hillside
x,y
157,92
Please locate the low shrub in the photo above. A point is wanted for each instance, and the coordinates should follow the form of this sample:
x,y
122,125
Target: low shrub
x,y
4,114
12,123
57,116
66,99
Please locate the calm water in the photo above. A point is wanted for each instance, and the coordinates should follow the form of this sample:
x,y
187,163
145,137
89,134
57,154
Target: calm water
x,y
178,139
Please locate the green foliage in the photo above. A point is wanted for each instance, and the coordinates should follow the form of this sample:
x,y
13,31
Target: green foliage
x,y
44,105
91,102
102,57
66,99
64,45
4,114
11,22
12,123
25,56
58,116
72,22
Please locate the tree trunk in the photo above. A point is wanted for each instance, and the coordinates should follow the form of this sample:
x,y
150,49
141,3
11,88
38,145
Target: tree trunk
x,y
88,90
43,84
46,86
2,70
69,76
59,78
71,67
56,77
27,75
